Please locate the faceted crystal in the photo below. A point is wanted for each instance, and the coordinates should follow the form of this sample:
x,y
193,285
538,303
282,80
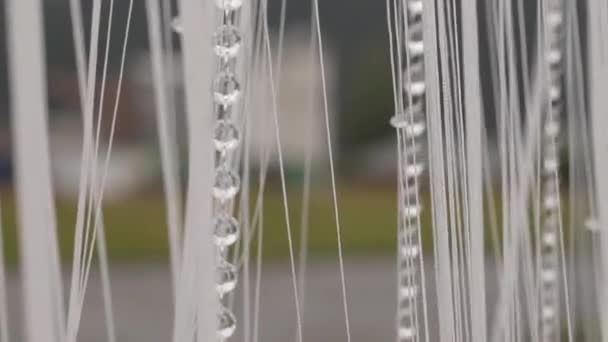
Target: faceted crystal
x,y
226,277
226,324
226,41
226,184
229,5
226,89
226,136
225,231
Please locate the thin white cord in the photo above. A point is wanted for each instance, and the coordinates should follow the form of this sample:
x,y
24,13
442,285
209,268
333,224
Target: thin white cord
x,y
282,170
4,321
168,150
332,171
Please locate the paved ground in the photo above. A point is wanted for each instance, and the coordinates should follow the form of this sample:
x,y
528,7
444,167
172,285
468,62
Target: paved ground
x,y
144,313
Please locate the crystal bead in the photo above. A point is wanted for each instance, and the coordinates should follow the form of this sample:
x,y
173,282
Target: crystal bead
x,y
415,7
408,291
414,170
411,211
229,5
592,224
176,25
399,120
551,202
416,88
226,41
226,89
549,276
554,18
551,165
226,324
226,276
410,251
554,56
549,239
225,231
416,47
226,185
552,128
555,92
225,136
408,333
548,313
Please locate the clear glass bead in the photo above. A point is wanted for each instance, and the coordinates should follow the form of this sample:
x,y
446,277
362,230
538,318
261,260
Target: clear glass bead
x,y
226,324
415,88
549,239
225,231
551,165
225,136
226,184
176,25
548,313
554,18
226,41
226,276
416,47
410,251
555,92
415,7
407,333
411,211
229,5
549,276
408,291
414,170
226,89
552,128
554,56
551,202
592,224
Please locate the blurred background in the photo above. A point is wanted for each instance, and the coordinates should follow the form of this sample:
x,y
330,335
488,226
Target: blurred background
x,y
360,97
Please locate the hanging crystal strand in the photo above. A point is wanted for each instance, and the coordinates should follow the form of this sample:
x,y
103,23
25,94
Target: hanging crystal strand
x,y
549,268
226,138
411,127
226,93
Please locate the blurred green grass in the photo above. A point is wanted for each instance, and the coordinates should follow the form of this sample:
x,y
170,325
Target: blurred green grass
x,y
136,228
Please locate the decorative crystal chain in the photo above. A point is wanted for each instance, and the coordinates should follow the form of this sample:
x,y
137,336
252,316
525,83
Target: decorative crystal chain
x,y
550,222
226,138
411,125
